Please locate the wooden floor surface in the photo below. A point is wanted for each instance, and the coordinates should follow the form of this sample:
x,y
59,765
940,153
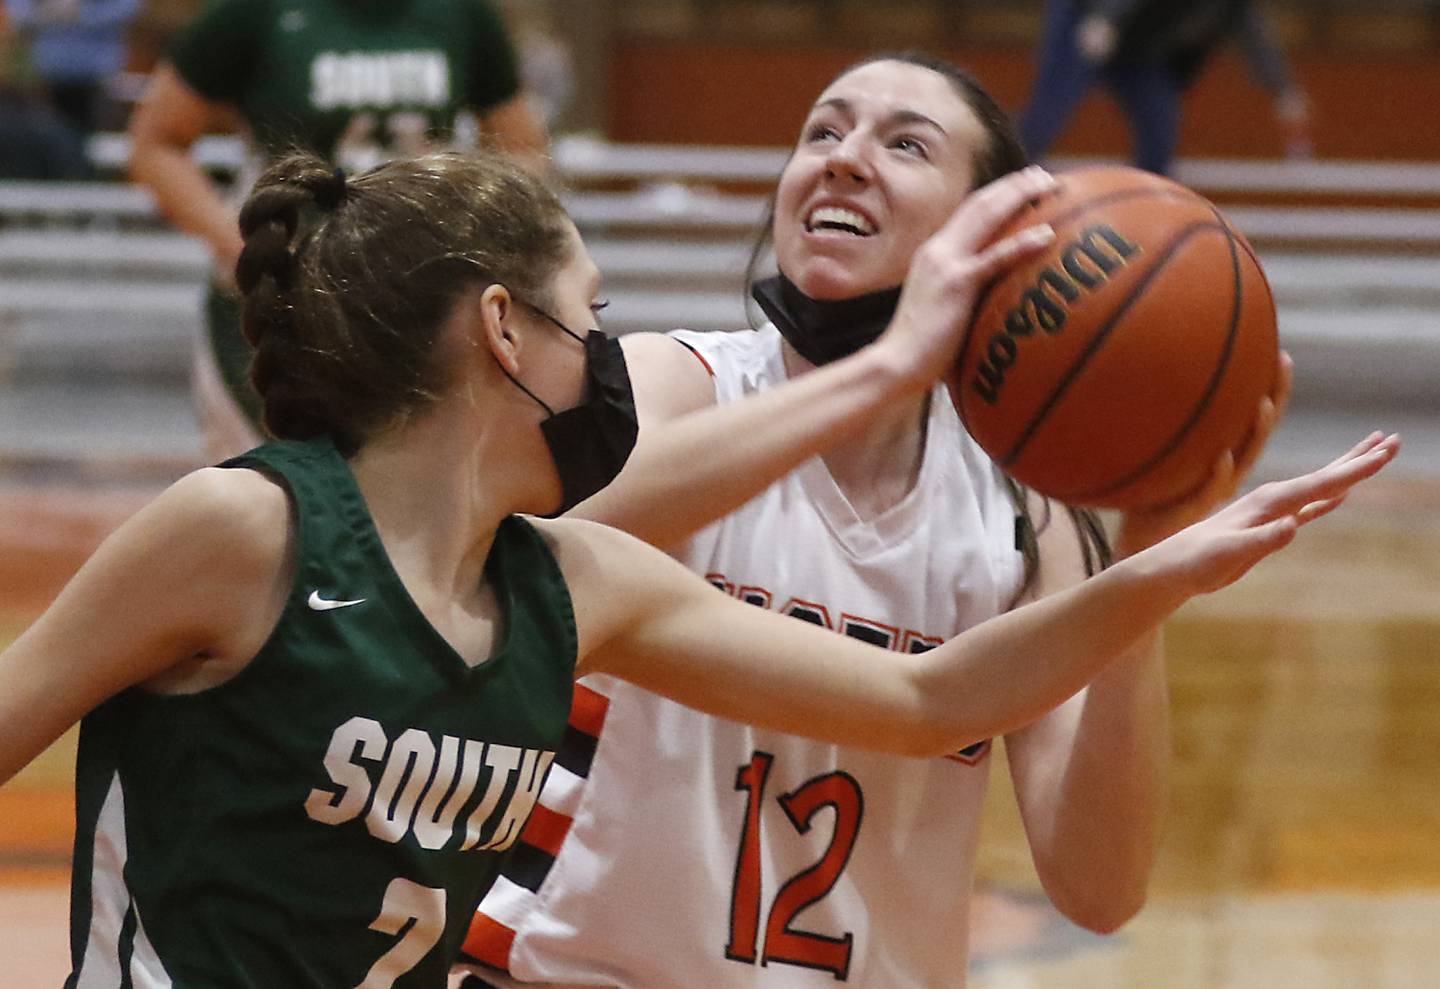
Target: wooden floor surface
x,y
1303,844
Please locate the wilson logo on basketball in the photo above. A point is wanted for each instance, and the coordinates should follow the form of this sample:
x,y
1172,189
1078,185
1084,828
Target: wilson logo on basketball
x,y
1084,265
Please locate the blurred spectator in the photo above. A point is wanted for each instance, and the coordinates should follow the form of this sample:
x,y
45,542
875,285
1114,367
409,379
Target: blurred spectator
x,y
548,71
34,142
1147,53
76,46
355,81
546,62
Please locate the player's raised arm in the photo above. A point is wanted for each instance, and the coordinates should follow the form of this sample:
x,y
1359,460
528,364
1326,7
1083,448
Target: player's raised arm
x,y
644,618
170,118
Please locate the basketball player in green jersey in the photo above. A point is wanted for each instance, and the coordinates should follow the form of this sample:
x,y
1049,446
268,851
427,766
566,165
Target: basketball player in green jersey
x,y
320,687
357,81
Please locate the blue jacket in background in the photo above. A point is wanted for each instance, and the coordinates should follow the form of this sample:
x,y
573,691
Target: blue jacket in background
x,y
92,46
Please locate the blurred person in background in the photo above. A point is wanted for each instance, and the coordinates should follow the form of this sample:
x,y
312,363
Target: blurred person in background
x,y
547,67
355,81
1147,53
35,143
76,48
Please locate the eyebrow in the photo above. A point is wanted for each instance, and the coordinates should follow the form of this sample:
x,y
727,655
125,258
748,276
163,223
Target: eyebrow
x,y
898,117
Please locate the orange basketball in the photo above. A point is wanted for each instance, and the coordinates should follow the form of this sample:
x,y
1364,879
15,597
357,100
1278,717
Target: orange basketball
x,y
1113,369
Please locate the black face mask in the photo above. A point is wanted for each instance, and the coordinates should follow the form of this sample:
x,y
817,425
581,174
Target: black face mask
x,y
822,332
591,442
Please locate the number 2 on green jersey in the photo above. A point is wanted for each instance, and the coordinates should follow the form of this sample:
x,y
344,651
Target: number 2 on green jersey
x,y
406,902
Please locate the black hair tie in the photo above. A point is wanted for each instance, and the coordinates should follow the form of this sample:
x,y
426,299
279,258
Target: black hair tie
x,y
332,191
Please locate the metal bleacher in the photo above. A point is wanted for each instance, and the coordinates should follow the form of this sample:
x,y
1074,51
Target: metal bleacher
x,y
99,300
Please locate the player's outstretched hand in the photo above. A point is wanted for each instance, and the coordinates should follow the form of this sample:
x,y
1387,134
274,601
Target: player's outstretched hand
x,y
1215,552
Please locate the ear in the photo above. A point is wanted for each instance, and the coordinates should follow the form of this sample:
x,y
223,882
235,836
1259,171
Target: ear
x,y
496,326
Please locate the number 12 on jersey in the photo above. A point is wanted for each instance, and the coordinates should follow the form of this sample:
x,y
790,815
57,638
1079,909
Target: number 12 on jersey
x,y
783,943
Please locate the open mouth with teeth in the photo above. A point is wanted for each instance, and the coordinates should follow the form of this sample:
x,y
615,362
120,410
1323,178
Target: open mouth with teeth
x,y
836,219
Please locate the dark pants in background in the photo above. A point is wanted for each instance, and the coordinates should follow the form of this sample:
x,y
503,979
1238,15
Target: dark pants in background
x,y
1149,93
37,143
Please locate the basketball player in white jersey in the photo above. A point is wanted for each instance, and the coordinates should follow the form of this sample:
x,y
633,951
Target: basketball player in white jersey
x,y
672,849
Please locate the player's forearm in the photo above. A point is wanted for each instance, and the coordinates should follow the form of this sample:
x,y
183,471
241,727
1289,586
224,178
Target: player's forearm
x,y
187,197
1028,661
990,680
688,472
701,648
1094,815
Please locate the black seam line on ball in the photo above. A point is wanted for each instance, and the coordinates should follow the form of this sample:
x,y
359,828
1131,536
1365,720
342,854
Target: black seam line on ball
x,y
1098,340
1200,408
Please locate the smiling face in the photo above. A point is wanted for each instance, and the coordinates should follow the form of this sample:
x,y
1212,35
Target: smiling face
x,y
885,156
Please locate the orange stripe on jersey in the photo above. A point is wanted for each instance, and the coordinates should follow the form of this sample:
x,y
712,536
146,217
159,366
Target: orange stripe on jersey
x,y
698,356
587,710
489,941
546,830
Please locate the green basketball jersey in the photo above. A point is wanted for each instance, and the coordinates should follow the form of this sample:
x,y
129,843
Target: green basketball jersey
x,y
330,816
354,80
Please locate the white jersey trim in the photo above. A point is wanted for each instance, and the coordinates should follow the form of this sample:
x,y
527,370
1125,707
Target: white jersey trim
x,y
110,904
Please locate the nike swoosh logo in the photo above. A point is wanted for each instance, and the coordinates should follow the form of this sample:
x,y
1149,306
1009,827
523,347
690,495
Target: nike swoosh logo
x,y
317,603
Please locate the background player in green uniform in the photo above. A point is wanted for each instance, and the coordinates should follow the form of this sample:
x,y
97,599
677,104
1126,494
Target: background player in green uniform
x,y
319,691
357,81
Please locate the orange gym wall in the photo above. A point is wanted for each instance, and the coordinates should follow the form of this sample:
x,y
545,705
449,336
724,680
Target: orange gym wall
x,y
732,94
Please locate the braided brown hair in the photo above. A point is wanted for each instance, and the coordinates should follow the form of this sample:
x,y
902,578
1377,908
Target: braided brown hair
x,y
347,283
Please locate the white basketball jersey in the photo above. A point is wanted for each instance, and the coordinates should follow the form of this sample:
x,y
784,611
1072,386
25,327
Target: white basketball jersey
x,y
673,849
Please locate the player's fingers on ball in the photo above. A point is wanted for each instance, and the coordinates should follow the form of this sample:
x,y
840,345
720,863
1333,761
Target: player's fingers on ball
x,y
1027,186
1183,507
1213,488
1268,413
990,207
1284,383
1009,192
1221,484
1254,444
1012,249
